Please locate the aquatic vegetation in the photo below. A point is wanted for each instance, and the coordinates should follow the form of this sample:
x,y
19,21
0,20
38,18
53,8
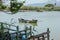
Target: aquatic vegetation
x,y
34,24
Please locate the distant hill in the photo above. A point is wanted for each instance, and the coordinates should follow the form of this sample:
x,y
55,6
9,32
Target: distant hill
x,y
41,4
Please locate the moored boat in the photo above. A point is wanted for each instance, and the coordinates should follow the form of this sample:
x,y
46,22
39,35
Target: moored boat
x,y
27,21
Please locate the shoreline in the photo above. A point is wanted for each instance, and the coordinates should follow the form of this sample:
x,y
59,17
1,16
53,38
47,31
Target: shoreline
x,y
25,10
28,10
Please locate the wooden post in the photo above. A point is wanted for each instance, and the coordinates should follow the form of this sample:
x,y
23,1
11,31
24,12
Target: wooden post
x,y
17,32
52,39
9,27
38,38
33,38
43,37
2,30
48,34
30,31
26,31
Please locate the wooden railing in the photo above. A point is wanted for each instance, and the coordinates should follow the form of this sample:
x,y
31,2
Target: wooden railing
x,y
2,28
41,36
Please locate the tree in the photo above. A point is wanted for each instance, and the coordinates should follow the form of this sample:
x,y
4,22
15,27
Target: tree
x,y
49,5
15,6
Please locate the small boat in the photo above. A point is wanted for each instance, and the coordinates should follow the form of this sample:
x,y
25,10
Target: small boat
x,y
27,21
39,10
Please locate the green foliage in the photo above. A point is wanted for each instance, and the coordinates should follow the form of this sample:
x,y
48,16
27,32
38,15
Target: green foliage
x,y
2,6
57,9
15,7
34,24
29,8
49,5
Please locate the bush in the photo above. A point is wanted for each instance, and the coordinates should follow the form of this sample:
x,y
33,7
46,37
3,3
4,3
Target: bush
x,y
49,5
15,7
57,9
2,6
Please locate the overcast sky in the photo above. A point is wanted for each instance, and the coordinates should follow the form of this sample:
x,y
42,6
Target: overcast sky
x,y
38,1
35,1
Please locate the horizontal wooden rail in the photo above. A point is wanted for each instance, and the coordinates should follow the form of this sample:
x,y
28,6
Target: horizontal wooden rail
x,y
8,24
10,29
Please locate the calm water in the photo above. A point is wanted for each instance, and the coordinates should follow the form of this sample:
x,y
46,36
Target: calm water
x,y
45,20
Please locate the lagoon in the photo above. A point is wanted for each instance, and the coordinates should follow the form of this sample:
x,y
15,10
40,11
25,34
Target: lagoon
x,y
47,19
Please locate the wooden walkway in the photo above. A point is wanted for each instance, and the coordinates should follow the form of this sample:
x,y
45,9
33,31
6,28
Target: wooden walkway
x,y
42,36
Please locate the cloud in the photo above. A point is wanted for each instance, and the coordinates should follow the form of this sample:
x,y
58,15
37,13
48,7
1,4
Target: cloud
x,y
58,0
32,1
35,1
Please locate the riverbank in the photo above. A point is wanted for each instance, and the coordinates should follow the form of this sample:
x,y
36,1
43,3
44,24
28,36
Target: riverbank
x,y
37,9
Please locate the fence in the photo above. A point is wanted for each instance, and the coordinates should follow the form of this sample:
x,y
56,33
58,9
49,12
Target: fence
x,y
17,32
42,36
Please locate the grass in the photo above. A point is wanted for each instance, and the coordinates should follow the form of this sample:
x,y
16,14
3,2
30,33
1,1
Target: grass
x,y
36,8
57,9
40,8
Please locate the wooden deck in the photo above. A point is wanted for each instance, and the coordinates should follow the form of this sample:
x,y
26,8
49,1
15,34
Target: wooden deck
x,y
42,36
